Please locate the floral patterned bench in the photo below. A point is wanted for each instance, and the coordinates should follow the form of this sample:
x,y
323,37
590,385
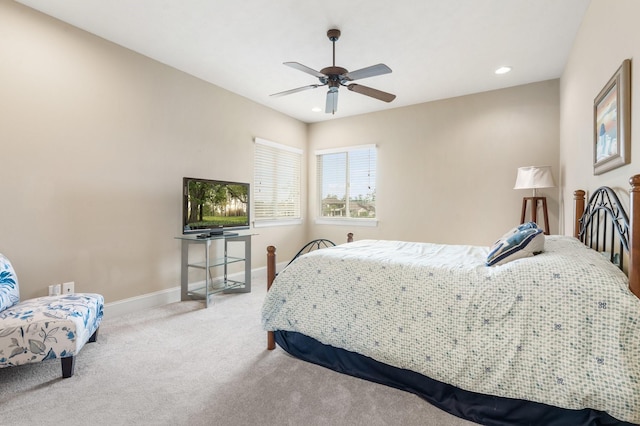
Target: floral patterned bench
x,y
44,328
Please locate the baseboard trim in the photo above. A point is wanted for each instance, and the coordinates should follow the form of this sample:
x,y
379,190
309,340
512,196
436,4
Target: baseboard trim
x,y
144,301
158,298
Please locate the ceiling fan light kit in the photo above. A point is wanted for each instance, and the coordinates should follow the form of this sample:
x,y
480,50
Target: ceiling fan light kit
x,y
335,76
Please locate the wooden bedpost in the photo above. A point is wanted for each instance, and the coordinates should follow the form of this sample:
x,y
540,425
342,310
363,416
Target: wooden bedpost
x,y
634,235
578,198
271,275
350,237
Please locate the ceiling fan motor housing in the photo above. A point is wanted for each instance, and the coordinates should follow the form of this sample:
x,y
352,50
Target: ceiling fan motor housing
x,y
333,71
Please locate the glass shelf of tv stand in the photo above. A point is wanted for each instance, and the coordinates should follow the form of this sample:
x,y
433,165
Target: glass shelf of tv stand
x,y
216,286
216,262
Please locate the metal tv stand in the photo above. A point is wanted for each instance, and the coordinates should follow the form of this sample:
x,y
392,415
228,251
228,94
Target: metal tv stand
x,y
225,284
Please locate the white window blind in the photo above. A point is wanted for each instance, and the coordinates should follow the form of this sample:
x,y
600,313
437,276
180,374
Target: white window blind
x,y
277,180
347,182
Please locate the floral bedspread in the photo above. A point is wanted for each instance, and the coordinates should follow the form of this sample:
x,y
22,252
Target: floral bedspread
x,y
560,328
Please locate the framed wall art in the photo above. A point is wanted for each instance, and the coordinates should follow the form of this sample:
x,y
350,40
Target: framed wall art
x,y
612,122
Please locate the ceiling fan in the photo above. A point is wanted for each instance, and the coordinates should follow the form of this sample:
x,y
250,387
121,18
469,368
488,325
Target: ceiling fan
x,y
334,77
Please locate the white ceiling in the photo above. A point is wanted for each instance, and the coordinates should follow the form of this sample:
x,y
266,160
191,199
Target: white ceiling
x,y
436,48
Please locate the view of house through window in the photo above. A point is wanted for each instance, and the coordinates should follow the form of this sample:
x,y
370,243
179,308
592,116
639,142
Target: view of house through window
x,y
347,182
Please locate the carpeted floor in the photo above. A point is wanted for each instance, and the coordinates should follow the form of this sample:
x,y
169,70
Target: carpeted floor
x,y
181,364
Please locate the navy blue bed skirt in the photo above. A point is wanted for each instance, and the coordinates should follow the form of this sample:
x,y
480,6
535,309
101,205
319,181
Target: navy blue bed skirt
x,y
479,408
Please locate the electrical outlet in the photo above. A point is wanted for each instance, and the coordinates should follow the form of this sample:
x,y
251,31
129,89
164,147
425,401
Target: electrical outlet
x,y
68,288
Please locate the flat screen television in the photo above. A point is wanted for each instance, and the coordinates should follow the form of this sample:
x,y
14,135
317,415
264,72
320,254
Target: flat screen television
x,y
214,206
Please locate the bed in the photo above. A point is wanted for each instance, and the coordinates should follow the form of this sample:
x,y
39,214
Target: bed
x,y
551,338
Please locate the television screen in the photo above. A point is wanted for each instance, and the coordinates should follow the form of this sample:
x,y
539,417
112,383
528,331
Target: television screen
x,y
214,205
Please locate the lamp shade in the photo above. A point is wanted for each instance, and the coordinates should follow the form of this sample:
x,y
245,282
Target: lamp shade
x,y
533,177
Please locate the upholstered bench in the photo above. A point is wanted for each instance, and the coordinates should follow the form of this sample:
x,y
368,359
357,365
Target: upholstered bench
x,y
44,328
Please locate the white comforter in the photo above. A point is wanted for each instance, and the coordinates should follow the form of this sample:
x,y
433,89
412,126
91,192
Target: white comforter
x,y
560,328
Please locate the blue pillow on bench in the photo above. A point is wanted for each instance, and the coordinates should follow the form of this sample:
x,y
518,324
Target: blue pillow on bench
x,y
9,290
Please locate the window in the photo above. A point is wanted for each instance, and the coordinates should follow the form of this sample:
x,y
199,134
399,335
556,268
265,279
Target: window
x,y
277,180
347,182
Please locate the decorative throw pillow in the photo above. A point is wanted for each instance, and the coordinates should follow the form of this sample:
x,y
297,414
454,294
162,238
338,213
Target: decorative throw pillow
x,y
519,244
522,227
9,290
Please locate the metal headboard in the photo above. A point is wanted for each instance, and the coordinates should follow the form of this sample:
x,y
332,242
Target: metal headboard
x,y
603,219
313,245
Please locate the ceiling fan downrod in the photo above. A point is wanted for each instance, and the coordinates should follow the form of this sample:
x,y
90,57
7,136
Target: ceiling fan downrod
x,y
334,35
333,72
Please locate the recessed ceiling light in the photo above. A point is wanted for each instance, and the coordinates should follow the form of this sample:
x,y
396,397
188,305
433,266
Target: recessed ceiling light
x,y
316,109
503,70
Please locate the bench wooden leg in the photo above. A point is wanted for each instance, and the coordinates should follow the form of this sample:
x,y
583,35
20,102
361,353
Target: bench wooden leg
x,y
94,336
68,365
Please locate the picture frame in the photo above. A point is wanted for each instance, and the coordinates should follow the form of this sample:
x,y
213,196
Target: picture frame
x,y
612,122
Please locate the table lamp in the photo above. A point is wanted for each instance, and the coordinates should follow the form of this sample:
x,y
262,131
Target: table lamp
x,y
534,177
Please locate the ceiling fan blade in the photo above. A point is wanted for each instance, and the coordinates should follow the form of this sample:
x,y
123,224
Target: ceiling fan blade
x,y
371,71
374,93
332,101
305,68
299,89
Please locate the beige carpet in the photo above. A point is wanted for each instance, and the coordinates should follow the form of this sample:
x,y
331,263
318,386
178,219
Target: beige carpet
x,y
181,364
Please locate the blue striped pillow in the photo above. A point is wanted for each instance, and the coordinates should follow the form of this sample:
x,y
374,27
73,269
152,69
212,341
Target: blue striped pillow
x,y
520,242
521,227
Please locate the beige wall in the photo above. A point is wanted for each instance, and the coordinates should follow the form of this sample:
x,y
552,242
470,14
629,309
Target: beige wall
x,y
608,34
95,140
446,169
